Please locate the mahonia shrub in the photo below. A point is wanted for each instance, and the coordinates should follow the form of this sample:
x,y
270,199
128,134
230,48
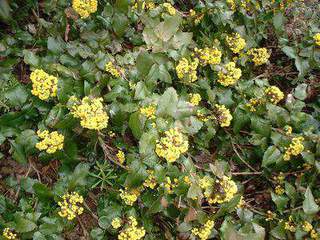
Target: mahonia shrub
x,y
153,119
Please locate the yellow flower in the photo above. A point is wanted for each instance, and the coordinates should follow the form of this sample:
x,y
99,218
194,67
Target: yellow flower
x,y
121,157
231,4
149,111
307,227
187,180
316,39
170,9
129,196
8,234
289,225
208,56
314,234
116,223
70,206
195,99
151,181
270,216
110,68
187,70
235,42
274,94
253,103
132,232
204,232
172,145
51,142
223,115
43,84
144,4
229,75
169,185
85,7
241,203
91,112
295,148
279,190
259,55
206,182
192,13
288,130
202,115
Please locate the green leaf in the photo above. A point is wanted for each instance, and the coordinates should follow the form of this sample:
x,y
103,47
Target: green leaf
x,y
300,91
17,95
240,119
309,205
165,30
30,58
141,91
55,45
281,201
143,63
271,155
23,225
168,103
120,24
136,124
122,5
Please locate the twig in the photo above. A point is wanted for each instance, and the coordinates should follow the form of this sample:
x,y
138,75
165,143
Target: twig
x,y
84,230
244,161
246,173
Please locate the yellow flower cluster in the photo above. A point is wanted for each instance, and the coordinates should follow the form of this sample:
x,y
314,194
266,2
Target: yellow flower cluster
x,y
195,99
70,206
204,232
110,68
295,148
259,55
172,145
253,103
289,225
235,42
132,232
223,115
43,84
8,234
91,112
170,9
51,141
274,94
129,196
116,223
121,157
307,227
229,75
169,185
151,181
208,55
85,7
316,39
187,70
149,111
231,4
229,189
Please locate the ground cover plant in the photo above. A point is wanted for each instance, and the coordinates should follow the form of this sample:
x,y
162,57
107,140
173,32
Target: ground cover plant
x,y
159,119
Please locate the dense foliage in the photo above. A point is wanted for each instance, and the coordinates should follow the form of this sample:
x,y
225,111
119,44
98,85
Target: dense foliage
x,y
159,119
